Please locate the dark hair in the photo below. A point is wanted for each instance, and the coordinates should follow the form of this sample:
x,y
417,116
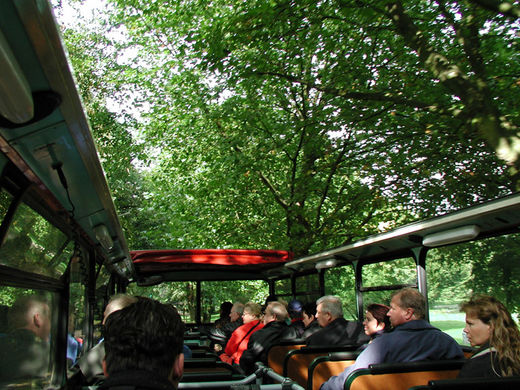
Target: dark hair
x,y
225,309
379,311
146,335
310,309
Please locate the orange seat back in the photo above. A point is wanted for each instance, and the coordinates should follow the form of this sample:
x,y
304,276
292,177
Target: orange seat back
x,y
323,370
363,380
276,356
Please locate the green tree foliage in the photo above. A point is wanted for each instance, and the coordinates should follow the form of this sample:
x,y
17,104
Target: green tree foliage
x,y
301,125
304,124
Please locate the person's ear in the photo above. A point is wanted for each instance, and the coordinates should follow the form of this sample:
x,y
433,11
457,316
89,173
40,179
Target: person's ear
x,y
177,370
104,364
37,320
409,314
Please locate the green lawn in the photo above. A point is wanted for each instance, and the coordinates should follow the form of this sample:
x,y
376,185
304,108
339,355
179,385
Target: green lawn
x,y
449,322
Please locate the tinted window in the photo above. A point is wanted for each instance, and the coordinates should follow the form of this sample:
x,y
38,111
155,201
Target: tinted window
x,y
26,340
32,244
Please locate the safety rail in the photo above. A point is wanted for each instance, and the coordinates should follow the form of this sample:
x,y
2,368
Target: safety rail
x,y
255,379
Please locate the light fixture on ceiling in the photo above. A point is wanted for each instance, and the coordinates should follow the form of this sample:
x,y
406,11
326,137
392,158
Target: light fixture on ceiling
x,y
452,236
16,102
103,236
328,263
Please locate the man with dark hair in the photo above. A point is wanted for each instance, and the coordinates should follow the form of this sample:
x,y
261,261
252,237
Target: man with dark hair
x,y
91,363
413,339
24,350
336,330
309,320
274,327
143,347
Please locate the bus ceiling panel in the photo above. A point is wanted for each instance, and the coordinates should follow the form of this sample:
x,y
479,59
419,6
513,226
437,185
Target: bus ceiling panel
x,y
498,216
20,66
31,33
47,152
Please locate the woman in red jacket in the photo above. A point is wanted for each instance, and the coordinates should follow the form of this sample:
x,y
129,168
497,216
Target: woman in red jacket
x,y
237,344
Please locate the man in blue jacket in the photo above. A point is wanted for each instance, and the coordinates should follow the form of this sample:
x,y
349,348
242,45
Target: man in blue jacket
x,y
413,339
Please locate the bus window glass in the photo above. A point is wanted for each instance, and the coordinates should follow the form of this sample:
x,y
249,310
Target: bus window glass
x,y
182,295
214,293
340,281
32,244
77,291
26,345
490,266
307,288
5,202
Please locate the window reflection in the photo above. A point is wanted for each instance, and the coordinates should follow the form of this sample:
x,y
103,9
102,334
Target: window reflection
x,y
32,244
25,347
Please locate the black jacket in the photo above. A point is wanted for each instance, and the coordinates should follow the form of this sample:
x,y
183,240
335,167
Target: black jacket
x,y
479,365
311,329
136,380
221,335
339,332
259,344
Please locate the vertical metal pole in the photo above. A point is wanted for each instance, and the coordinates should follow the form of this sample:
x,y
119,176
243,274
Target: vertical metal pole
x,y
293,286
61,324
321,281
90,299
419,255
199,307
359,284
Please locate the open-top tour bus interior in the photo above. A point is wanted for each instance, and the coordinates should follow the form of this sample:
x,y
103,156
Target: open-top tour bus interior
x,y
62,241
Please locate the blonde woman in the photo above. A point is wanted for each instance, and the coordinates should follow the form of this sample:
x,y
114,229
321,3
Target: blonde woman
x,y
490,327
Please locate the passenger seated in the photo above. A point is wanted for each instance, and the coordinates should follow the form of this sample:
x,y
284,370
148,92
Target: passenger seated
x,y
221,335
225,310
24,351
237,344
413,339
296,326
309,320
143,344
335,329
90,364
490,327
274,327
376,321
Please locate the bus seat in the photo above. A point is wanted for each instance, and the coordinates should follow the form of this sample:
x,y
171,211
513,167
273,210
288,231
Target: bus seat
x,y
512,382
323,367
277,353
296,363
209,369
402,376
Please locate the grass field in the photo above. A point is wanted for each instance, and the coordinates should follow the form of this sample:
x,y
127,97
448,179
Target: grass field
x,y
448,321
